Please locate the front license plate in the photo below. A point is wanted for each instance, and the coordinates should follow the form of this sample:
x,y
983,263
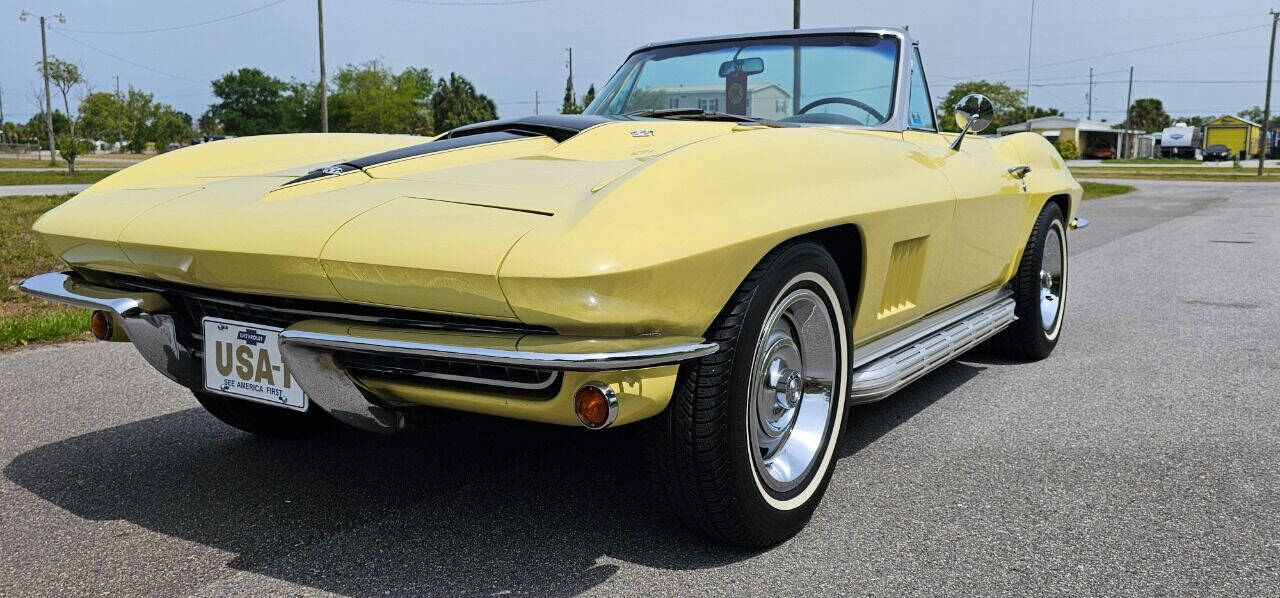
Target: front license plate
x,y
243,360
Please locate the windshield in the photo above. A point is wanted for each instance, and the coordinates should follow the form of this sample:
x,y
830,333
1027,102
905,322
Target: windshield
x,y
832,79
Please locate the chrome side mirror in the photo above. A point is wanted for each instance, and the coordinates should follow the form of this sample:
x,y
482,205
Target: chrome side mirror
x,y
973,114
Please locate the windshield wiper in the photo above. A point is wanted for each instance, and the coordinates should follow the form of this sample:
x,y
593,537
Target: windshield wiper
x,y
700,114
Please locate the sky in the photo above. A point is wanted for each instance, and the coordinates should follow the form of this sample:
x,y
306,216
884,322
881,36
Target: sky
x,y
1199,58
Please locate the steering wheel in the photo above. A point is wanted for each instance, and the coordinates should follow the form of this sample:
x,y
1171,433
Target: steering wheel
x,y
839,100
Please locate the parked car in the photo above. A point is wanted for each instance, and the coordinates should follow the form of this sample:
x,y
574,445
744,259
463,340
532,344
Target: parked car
x,y
1217,153
731,280
1102,153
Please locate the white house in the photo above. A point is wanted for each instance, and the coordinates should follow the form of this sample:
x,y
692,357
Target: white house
x,y
764,100
1093,138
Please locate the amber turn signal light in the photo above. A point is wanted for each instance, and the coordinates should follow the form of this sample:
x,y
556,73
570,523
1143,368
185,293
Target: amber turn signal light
x,y
100,324
596,405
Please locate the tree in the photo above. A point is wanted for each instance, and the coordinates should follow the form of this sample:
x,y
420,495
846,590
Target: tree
x,y
417,83
1067,149
299,108
1148,114
1038,112
60,125
102,117
1200,121
570,105
456,103
64,75
1255,114
1009,104
135,117
249,102
138,111
646,99
168,126
13,132
71,147
208,124
371,98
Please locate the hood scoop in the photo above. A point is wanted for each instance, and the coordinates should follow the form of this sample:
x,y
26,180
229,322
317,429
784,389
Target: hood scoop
x,y
558,127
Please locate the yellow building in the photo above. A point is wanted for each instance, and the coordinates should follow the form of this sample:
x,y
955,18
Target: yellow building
x,y
1242,137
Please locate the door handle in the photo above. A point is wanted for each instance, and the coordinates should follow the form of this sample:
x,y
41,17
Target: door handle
x,y
1020,171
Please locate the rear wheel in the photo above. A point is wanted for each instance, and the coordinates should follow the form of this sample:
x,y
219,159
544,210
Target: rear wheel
x,y
265,420
745,450
1040,290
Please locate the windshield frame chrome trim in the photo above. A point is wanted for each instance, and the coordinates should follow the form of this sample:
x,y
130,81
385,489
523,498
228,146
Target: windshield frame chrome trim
x,y
897,118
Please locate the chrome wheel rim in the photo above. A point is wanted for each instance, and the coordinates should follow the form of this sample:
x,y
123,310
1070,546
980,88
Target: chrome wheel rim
x,y
1053,267
790,401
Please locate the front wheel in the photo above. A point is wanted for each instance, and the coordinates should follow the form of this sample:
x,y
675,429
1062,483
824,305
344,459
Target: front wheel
x,y
1040,290
745,450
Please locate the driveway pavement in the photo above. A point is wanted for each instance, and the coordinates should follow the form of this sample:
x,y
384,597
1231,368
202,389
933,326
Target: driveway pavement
x,y
1142,458
9,190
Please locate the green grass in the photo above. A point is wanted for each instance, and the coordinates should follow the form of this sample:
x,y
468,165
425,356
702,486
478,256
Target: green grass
x,y
1179,173
59,323
1154,161
1175,176
1178,169
1099,190
53,177
22,163
28,163
23,319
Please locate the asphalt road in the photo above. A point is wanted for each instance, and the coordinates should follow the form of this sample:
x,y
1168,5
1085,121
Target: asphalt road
x,y
8,190
1142,458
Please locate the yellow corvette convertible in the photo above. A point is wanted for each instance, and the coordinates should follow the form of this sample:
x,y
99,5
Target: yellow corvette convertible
x,y
739,239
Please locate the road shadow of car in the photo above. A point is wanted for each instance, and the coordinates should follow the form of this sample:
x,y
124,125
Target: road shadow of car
x,y
482,506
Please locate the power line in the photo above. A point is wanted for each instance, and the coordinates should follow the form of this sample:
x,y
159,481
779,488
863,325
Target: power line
x,y
483,3
1089,21
176,27
1117,53
1179,110
1172,81
127,61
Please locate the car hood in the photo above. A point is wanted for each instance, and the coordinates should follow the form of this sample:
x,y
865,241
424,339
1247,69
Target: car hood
x,y
420,224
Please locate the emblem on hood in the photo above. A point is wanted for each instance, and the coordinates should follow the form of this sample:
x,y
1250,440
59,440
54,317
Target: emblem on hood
x,y
642,132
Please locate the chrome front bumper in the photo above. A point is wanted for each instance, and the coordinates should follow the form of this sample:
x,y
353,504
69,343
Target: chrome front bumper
x,y
308,347
143,315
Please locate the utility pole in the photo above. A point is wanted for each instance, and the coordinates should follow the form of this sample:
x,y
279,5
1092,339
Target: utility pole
x,y
1128,110
1266,108
324,86
535,102
573,95
1090,117
44,67
1030,36
117,86
2,138
795,61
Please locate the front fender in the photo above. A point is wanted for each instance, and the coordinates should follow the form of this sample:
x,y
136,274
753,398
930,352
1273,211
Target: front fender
x,y
661,249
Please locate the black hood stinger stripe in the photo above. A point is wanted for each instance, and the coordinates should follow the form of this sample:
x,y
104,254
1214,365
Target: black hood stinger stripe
x,y
558,127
